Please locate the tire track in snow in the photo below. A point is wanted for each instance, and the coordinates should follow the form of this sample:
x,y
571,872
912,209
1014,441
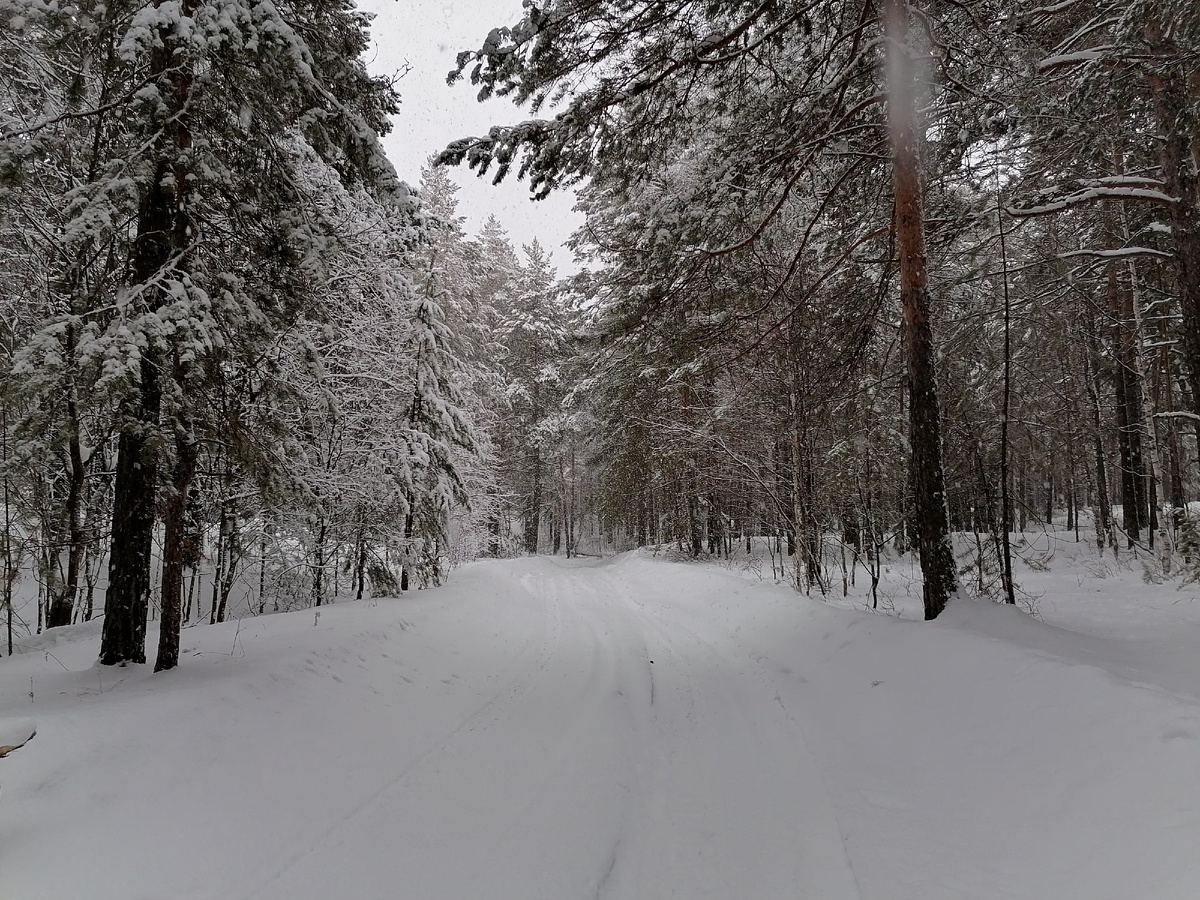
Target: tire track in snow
x,y
787,787
631,670
596,774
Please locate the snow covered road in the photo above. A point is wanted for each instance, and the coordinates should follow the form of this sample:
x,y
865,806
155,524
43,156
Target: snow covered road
x,y
620,729
623,754
550,729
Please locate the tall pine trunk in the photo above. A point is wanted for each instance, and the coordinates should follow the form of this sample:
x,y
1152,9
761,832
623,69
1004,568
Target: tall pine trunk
x,y
1091,376
176,543
928,479
161,233
127,599
1129,417
1003,534
1177,127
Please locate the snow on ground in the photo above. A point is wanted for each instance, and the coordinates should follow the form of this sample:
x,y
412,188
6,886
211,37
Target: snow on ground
x,y
626,728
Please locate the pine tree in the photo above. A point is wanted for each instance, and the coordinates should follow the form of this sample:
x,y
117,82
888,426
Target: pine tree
x,y
452,272
199,117
773,100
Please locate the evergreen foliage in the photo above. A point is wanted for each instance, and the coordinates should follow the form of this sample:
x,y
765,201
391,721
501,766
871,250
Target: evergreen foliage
x,y
246,368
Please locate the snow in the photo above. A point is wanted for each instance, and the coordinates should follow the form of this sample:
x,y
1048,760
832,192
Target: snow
x,y
1071,59
1122,253
624,728
1089,195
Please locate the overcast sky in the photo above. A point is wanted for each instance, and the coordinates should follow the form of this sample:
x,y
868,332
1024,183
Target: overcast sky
x,y
427,35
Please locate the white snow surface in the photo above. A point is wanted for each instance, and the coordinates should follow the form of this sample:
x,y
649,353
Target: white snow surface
x,y
540,729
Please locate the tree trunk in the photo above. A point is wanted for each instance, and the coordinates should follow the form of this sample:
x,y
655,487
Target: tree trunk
x,y
360,563
1174,443
162,233
1022,497
191,595
262,570
175,545
493,523
1145,404
1048,484
1176,124
1128,393
533,508
10,570
127,599
407,562
695,519
643,518
716,532
1003,535
233,553
808,541
177,548
929,490
318,586
219,562
785,489
90,576
1091,376
63,602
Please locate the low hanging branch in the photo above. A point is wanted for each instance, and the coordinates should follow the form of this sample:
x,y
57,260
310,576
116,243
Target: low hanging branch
x,y
1123,253
1116,187
1178,414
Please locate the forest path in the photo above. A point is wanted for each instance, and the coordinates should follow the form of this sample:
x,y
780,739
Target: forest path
x,y
632,750
625,729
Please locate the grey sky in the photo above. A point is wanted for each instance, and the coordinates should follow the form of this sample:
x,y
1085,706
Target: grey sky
x,y
427,34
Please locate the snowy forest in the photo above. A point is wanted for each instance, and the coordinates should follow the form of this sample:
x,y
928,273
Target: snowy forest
x,y
854,276
827,526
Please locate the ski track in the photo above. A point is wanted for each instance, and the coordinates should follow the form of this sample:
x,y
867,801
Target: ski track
x,y
626,754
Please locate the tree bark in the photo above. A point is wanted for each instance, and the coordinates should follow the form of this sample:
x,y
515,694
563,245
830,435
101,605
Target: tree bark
x,y
175,546
407,563
1177,128
127,599
808,541
360,562
10,570
233,553
1129,419
1091,376
318,586
1006,512
63,602
929,489
533,508
262,569
161,229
